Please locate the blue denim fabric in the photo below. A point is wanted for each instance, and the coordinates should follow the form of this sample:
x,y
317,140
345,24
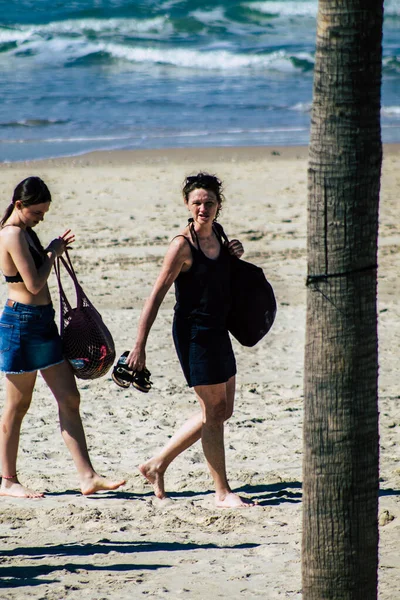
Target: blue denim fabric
x,y
29,338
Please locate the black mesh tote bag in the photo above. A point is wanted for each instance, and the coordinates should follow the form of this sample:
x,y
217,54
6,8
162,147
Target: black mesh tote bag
x,y
87,343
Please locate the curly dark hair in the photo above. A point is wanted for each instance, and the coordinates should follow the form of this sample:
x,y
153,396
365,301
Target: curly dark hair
x,y
203,181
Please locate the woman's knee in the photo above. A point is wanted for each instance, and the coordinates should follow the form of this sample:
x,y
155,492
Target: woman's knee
x,y
228,412
215,413
69,402
19,408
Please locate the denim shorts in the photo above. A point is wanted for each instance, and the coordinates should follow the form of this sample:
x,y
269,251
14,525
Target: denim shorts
x,y
204,351
29,338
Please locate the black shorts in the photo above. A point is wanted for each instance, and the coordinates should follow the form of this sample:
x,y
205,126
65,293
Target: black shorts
x,y
204,351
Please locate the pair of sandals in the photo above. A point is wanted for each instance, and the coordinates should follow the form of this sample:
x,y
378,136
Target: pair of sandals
x,y
123,376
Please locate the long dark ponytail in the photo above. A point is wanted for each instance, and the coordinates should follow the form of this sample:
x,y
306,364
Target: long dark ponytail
x,y
29,191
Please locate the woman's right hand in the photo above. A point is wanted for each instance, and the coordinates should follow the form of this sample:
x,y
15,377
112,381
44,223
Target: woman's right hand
x,y
136,359
62,243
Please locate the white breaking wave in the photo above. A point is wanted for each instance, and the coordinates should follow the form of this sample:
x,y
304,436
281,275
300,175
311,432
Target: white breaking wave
x,y
13,35
55,51
66,140
303,107
308,8
286,9
391,111
61,50
107,27
392,8
209,17
193,59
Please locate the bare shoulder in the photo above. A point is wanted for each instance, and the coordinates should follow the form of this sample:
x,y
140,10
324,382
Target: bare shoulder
x,y
8,230
180,245
179,255
12,234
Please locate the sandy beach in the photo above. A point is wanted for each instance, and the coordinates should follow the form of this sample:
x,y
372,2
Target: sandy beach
x,y
124,208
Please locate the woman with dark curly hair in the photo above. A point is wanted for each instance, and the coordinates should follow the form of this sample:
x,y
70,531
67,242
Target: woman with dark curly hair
x,y
198,263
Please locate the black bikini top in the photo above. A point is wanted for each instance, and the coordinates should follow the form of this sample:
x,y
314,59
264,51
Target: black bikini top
x,y
38,259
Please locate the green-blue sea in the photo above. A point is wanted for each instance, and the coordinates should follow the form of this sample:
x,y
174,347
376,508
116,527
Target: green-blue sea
x,y
87,75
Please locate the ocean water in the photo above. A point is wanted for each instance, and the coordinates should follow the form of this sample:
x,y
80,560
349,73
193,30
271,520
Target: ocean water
x,y
87,75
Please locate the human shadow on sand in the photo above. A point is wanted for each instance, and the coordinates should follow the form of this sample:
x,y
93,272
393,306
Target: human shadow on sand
x,y
273,493
278,493
116,494
21,576
264,494
106,546
389,492
125,495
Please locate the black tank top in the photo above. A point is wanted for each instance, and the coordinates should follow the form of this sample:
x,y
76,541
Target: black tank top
x,y
203,292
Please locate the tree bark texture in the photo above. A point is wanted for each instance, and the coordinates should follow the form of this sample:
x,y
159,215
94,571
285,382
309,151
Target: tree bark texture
x,y
341,445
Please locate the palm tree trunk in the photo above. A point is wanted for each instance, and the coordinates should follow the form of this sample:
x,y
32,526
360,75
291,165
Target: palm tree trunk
x,y
340,472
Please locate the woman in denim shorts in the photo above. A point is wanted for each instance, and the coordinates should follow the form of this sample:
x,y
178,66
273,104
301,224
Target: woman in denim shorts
x,y
30,342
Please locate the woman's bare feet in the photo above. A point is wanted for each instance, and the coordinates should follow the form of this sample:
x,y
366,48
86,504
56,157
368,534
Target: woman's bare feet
x,y
232,500
155,477
13,488
96,483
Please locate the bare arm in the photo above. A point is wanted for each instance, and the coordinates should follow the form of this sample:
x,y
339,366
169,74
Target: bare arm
x,y
17,246
177,256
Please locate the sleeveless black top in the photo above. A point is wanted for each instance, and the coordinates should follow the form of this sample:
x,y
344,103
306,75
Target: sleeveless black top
x,y
203,292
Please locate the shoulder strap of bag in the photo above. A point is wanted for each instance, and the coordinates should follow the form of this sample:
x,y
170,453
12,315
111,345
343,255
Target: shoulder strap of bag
x,y
63,297
69,267
217,227
67,264
219,230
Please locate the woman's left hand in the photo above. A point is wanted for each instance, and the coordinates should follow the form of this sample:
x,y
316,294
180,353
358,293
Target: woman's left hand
x,y
68,238
62,243
235,248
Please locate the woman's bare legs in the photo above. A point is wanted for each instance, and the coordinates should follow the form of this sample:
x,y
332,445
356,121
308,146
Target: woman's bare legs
x,y
61,381
19,390
217,406
187,435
